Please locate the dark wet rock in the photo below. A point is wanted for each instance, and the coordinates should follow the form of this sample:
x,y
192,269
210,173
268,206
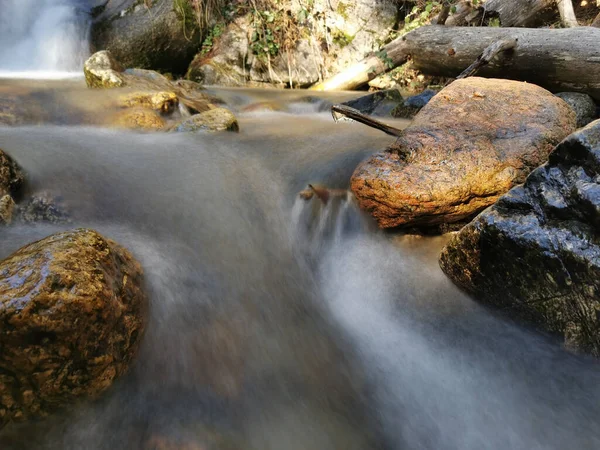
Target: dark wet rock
x,y
43,207
72,314
217,119
582,104
380,103
470,144
11,175
412,105
160,34
535,254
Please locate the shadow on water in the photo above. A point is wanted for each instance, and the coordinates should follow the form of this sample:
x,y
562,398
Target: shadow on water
x,y
278,323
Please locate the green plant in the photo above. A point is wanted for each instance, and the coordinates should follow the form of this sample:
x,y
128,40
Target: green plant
x,y
215,32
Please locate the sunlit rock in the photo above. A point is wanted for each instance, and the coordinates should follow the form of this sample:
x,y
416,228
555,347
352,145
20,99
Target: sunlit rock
x,y
217,119
101,70
535,254
470,144
138,119
162,101
71,317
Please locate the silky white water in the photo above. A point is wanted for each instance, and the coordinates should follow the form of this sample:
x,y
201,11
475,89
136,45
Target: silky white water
x,y
43,38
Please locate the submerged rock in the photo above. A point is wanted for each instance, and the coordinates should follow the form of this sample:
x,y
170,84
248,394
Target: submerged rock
x,y
217,119
72,315
138,119
582,104
162,101
43,207
470,144
535,254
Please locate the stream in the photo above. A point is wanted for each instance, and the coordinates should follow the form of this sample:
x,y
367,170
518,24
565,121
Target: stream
x,y
276,323
280,323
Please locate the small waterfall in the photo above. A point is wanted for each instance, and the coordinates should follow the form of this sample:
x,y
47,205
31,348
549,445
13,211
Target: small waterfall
x,y
321,222
43,38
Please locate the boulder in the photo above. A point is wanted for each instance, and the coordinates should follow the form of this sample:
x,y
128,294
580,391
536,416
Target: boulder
x,y
535,254
582,104
72,314
286,53
473,141
162,101
160,34
101,70
217,119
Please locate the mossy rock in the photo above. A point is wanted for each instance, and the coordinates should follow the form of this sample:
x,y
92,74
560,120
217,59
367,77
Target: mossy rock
x,y
217,119
138,119
72,310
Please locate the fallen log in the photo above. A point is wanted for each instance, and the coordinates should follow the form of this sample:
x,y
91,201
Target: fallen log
x,y
521,13
557,59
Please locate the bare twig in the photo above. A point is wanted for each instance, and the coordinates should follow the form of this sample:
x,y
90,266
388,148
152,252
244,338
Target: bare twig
x,y
567,13
363,118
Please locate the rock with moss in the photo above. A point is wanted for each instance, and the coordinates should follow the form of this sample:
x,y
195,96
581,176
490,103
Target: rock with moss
x,y
535,254
43,206
11,181
217,119
102,71
155,34
164,102
72,309
138,119
296,43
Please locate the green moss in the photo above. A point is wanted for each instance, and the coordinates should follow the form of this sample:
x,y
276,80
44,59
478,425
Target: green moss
x,y
186,14
341,38
342,10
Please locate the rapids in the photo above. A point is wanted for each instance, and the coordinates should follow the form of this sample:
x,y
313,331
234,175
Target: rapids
x,y
284,324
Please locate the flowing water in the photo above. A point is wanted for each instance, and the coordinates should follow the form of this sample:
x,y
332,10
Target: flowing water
x,y
276,323
282,323
43,38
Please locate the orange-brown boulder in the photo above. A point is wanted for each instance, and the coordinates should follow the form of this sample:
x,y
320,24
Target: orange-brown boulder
x,y
71,317
475,140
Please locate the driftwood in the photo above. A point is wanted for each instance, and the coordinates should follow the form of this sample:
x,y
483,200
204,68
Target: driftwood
x,y
557,59
567,13
596,22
